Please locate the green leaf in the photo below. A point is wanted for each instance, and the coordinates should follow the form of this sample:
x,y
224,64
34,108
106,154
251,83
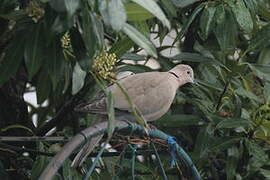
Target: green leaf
x,y
264,57
121,46
183,3
242,15
206,21
226,29
262,71
11,61
136,12
140,39
3,173
117,14
103,9
179,120
263,10
143,27
55,61
153,8
247,94
260,40
79,49
77,79
259,157
133,56
69,6
265,173
70,173
169,8
111,116
189,21
230,123
72,6
89,35
33,53
267,92
221,144
231,164
134,68
43,87
192,57
40,163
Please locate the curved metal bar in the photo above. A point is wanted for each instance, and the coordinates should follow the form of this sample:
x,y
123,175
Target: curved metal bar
x,y
121,127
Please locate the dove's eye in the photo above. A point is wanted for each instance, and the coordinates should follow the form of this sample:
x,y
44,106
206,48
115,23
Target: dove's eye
x,y
188,72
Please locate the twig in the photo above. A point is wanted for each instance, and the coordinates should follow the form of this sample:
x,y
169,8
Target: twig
x,y
33,138
221,95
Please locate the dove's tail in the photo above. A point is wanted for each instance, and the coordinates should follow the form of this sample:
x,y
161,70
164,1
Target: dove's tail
x,y
86,150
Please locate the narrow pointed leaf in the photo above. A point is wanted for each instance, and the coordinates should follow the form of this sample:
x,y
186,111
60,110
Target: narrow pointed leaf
x,y
242,15
136,12
140,39
11,61
33,51
110,108
154,8
183,3
77,79
117,14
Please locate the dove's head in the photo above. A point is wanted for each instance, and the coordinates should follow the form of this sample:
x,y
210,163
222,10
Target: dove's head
x,y
184,73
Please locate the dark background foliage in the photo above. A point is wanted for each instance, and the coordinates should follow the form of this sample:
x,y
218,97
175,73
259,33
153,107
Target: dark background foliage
x,y
49,46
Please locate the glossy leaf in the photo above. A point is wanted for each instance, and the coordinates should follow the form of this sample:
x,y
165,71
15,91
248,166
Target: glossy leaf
x,y
192,17
111,115
72,6
77,79
54,62
183,3
242,15
133,56
153,8
264,57
193,57
247,94
69,6
260,40
206,21
233,123
169,7
121,46
135,12
262,71
43,87
140,39
33,53
79,49
40,163
134,68
265,173
89,37
11,60
226,29
117,14
231,165
180,120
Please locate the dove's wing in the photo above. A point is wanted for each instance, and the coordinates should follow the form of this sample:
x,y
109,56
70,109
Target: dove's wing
x,y
151,92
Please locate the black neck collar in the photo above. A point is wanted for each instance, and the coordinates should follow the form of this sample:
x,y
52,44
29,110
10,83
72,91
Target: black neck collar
x,y
174,74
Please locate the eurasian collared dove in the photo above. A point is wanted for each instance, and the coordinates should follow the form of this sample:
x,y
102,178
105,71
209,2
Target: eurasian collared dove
x,y
151,92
